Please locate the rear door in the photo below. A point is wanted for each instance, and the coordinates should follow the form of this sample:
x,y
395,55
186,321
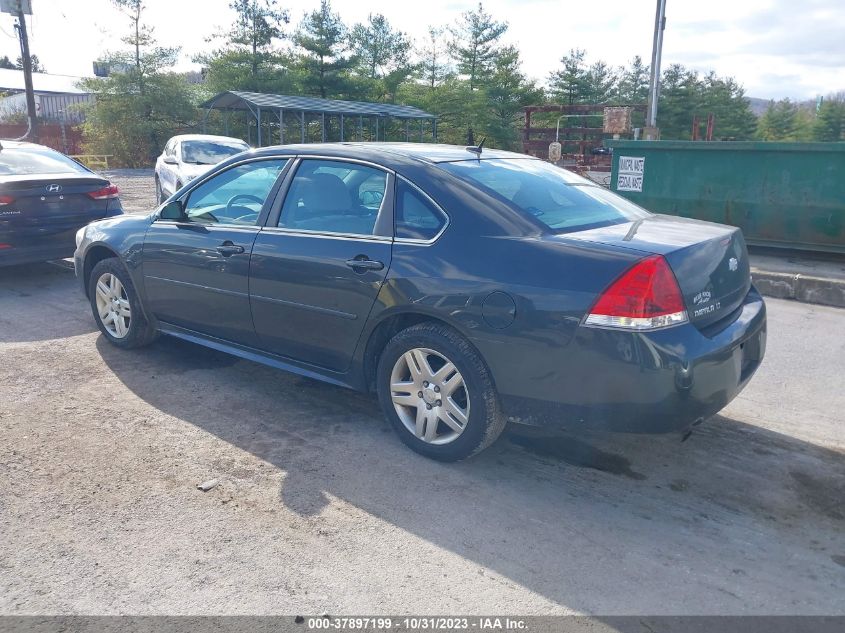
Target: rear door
x,y
318,265
196,271
45,197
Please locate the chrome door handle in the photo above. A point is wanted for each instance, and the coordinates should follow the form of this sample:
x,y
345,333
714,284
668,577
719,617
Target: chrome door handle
x,y
362,265
226,249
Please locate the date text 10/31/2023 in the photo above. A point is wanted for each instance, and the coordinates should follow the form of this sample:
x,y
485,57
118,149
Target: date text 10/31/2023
x,y
405,623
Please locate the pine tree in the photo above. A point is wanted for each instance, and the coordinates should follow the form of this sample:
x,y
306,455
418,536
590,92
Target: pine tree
x,y
474,44
433,62
569,83
600,83
136,111
37,66
779,122
378,48
382,56
508,91
325,62
680,96
830,120
633,82
249,59
257,25
725,99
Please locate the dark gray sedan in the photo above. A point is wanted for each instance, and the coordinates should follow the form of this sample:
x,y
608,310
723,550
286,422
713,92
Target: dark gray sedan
x,y
465,288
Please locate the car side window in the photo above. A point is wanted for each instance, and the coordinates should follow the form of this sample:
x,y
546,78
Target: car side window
x,y
335,197
416,218
169,148
236,195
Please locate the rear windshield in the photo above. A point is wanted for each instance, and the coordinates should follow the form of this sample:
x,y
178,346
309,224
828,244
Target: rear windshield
x,y
22,161
557,198
209,152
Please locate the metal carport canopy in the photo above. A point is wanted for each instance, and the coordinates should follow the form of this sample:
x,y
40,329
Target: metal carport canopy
x,y
239,100
255,102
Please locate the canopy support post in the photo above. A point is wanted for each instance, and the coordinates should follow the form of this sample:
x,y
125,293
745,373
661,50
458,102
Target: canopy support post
x,y
258,126
341,128
281,127
302,115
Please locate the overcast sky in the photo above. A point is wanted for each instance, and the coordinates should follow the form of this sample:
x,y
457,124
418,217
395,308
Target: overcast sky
x,y
775,48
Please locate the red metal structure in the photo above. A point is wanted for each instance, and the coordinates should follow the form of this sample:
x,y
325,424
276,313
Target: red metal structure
x,y
581,131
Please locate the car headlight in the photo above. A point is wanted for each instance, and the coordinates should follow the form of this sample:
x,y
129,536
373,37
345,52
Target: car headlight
x,y
80,235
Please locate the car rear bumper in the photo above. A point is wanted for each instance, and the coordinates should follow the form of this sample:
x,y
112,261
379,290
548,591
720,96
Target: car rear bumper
x,y
31,254
657,382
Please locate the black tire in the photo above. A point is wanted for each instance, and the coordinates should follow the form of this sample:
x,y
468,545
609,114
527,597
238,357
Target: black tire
x,y
139,332
486,420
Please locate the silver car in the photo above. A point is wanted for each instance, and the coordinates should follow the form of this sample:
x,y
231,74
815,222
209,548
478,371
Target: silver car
x,y
190,155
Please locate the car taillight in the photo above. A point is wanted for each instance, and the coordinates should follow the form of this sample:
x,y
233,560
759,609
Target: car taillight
x,y
6,200
109,191
645,297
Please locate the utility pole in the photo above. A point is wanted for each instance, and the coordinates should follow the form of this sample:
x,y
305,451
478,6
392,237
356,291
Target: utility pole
x,y
651,131
27,74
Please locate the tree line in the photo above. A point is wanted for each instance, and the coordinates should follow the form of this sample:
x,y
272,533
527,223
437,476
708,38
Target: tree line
x,y
462,73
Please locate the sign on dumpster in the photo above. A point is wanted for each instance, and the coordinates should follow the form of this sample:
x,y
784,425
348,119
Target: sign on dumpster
x,y
629,176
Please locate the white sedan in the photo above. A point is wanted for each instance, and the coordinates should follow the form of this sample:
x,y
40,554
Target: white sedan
x,y
190,155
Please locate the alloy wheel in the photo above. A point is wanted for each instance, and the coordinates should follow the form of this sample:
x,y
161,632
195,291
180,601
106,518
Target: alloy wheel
x,y
430,396
113,305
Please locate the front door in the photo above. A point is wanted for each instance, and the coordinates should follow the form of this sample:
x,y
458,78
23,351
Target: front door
x,y
317,266
196,272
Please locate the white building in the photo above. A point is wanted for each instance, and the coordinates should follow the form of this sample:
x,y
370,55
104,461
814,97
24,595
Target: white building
x,y
56,96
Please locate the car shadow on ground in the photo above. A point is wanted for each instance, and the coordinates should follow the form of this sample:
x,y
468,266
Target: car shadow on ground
x,y
738,516
42,301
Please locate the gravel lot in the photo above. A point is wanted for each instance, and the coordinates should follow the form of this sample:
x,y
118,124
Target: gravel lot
x,y
319,506
137,188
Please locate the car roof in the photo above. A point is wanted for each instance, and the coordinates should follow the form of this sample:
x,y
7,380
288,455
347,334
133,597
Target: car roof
x,y
438,153
386,153
205,137
23,145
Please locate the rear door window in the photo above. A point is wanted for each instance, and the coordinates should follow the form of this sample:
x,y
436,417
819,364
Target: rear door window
x,y
559,199
416,218
334,197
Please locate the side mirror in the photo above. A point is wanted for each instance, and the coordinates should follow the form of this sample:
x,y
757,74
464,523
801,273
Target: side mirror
x,y
173,211
170,160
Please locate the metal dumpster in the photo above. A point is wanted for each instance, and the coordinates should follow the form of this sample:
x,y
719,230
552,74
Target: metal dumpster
x,y
780,194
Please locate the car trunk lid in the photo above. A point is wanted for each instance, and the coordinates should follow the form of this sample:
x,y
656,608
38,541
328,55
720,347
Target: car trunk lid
x,y
33,206
710,261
